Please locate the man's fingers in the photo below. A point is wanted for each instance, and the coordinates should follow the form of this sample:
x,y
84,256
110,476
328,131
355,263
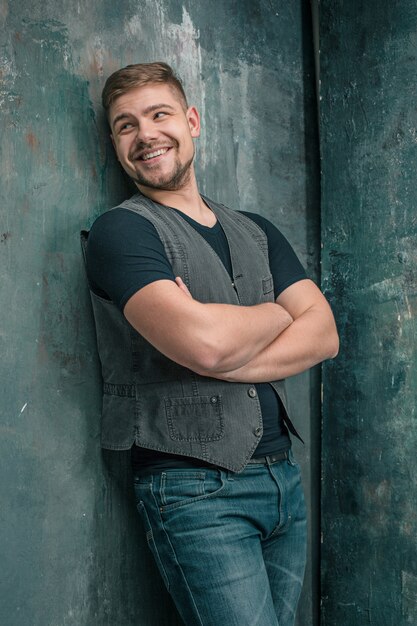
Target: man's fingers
x,y
182,286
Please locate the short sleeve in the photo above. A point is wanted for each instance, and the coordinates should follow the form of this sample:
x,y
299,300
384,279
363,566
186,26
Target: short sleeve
x,y
285,266
124,254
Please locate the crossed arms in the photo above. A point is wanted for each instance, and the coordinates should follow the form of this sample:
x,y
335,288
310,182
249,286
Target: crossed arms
x,y
258,343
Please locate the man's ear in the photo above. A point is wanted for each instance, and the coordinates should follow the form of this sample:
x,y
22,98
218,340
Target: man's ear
x,y
193,118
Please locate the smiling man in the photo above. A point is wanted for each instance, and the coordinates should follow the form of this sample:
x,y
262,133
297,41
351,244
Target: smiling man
x,y
201,313
157,161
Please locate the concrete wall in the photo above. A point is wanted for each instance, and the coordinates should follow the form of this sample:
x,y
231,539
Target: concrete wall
x,y
72,553
369,160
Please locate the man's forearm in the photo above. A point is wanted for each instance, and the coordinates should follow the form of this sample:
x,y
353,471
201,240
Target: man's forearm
x,y
310,339
238,334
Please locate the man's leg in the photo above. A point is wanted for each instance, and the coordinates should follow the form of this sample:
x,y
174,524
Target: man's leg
x,y
285,550
205,527
230,548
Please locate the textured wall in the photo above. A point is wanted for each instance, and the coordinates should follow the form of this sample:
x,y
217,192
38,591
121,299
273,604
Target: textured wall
x,y
71,548
369,160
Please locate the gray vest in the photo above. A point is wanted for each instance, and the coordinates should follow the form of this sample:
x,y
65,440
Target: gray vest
x,y
156,403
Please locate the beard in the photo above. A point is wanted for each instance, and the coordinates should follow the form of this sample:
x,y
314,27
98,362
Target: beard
x,y
174,180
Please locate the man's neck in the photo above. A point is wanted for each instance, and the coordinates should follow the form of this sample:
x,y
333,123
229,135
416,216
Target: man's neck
x,y
187,200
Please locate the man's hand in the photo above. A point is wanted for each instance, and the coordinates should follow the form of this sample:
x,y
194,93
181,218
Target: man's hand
x,y
310,339
181,284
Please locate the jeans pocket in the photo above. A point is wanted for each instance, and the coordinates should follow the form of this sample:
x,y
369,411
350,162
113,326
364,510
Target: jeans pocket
x,y
150,539
181,487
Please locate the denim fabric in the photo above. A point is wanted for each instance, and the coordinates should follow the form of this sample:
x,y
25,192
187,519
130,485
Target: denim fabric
x,y
231,548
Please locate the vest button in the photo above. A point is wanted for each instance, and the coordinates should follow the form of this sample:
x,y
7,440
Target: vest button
x,y
213,399
258,431
252,392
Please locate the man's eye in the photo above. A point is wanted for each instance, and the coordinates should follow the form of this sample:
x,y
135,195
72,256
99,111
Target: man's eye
x,y
125,127
159,115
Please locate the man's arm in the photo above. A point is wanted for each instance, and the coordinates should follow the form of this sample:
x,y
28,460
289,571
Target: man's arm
x,y
203,337
310,339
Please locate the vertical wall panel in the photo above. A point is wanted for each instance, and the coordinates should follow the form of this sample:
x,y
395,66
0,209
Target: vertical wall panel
x,y
369,159
72,552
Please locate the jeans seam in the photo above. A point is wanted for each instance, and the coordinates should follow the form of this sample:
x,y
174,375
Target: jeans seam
x,y
151,537
177,561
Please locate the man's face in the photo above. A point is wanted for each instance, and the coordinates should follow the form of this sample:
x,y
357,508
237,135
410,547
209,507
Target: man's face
x,y
153,136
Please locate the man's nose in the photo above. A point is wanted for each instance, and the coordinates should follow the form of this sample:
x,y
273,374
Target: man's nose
x,y
146,132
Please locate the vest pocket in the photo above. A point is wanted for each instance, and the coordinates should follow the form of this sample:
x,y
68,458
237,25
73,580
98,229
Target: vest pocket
x,y
195,418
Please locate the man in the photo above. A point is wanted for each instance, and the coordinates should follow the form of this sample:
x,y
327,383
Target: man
x,y
201,313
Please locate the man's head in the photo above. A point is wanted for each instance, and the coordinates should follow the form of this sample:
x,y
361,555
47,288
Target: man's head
x,y
138,75
151,127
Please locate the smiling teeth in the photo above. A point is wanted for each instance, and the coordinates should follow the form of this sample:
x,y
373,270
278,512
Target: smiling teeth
x,y
152,155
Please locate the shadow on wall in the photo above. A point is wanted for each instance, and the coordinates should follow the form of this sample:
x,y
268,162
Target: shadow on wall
x,y
127,588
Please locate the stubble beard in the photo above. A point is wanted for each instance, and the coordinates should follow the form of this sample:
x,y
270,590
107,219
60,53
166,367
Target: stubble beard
x,y
173,181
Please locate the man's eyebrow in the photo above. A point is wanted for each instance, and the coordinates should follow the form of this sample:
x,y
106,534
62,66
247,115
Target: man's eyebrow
x,y
149,109
161,105
119,117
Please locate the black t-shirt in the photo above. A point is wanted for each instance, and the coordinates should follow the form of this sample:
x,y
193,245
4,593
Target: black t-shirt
x,y
125,253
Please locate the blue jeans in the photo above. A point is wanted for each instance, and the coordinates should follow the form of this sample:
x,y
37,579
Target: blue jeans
x,y
231,548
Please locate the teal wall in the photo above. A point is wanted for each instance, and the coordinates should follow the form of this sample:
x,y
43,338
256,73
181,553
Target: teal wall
x,y
71,547
369,230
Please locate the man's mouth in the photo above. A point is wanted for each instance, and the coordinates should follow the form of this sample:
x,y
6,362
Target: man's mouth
x,y
152,155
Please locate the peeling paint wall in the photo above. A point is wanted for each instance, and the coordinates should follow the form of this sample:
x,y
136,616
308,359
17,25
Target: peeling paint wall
x,y
369,218
72,552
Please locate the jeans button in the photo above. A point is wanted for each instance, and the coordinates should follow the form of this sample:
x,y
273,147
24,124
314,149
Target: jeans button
x,y
252,392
